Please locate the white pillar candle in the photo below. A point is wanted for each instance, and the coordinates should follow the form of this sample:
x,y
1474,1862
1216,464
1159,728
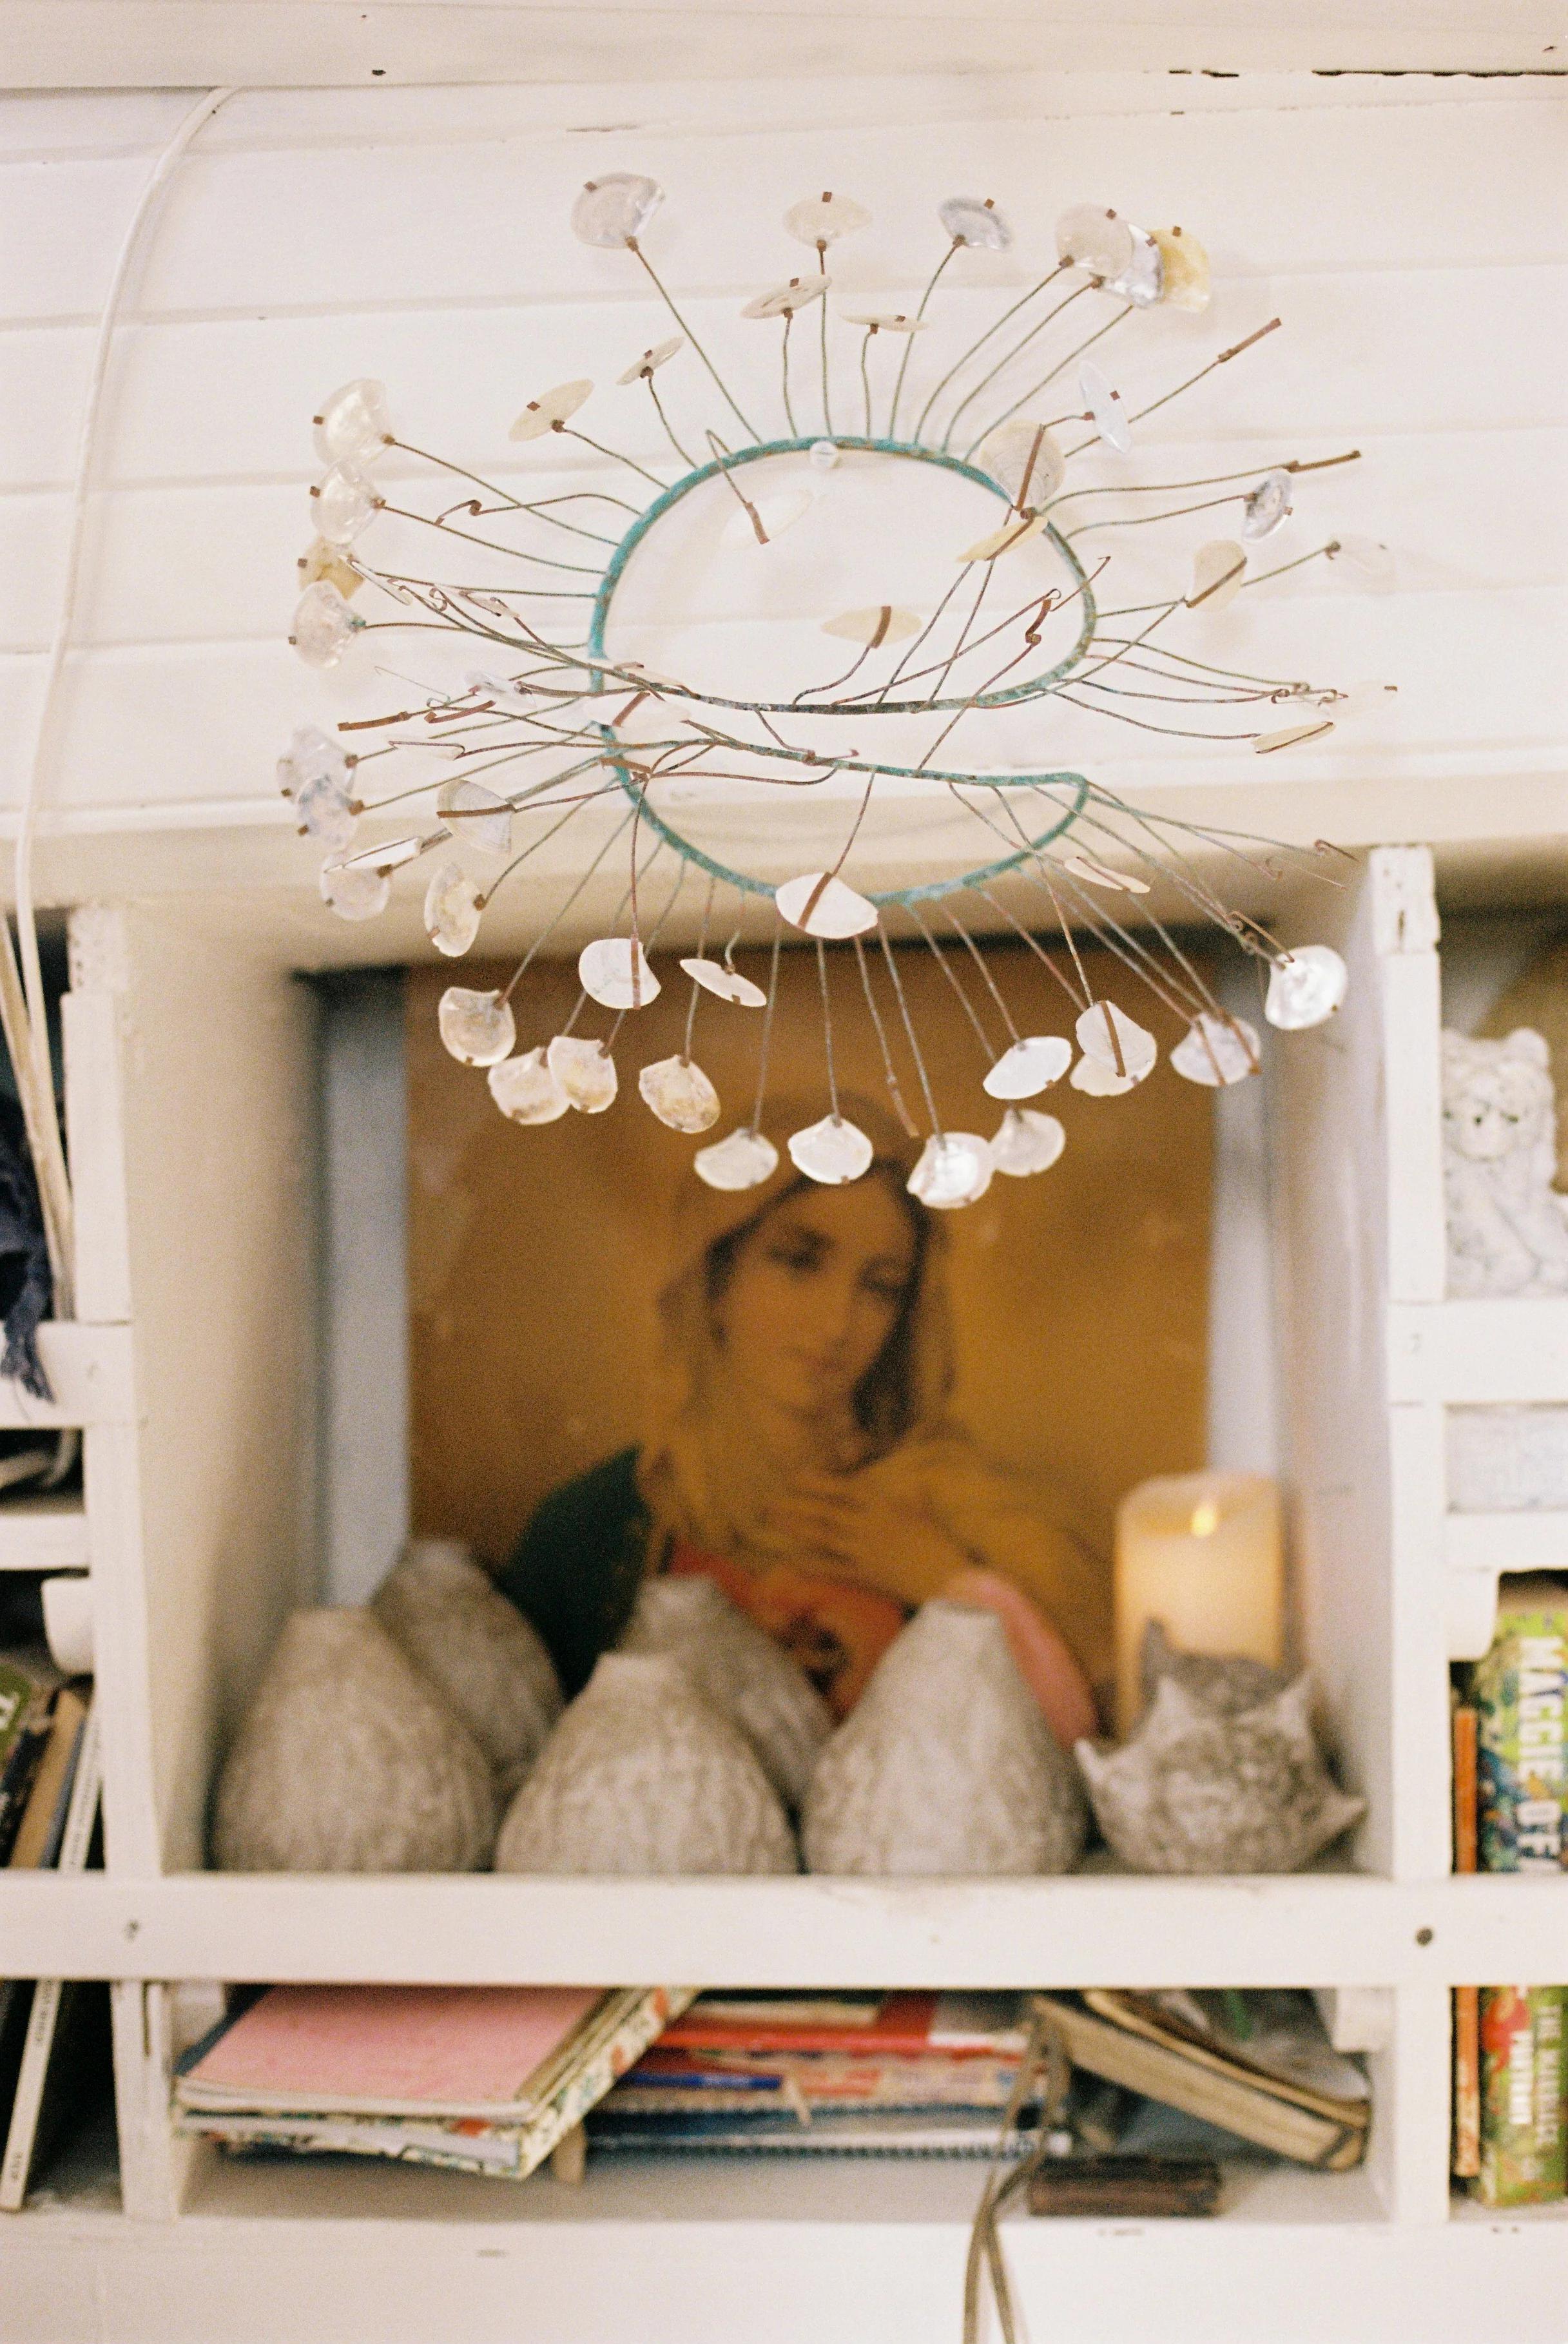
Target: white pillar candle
x,y
1204,1553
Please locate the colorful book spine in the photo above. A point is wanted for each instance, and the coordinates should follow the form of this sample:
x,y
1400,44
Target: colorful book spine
x,y
1523,2079
1520,1694
1466,2144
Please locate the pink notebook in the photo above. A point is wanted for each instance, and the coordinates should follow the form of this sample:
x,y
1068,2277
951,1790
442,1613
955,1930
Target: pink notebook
x,y
390,2050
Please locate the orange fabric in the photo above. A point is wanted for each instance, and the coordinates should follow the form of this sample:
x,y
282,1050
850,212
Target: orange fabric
x,y
836,1630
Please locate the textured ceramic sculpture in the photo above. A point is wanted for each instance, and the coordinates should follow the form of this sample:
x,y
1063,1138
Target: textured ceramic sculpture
x,y
946,1766
1507,1226
643,1776
1226,1682
350,1760
737,1665
1198,1791
477,1648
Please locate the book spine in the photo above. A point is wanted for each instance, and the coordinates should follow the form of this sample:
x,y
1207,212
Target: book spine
x,y
1523,2077
17,1780
1522,1701
1466,2144
589,2081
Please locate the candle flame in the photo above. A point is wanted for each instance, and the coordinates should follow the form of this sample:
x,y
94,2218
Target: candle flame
x,y
1205,1518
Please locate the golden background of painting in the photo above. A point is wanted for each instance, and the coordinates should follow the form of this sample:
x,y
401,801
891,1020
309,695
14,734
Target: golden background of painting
x,y
1080,1297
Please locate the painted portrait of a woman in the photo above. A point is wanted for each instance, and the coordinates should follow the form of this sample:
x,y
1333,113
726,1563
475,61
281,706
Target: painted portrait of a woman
x,y
800,1451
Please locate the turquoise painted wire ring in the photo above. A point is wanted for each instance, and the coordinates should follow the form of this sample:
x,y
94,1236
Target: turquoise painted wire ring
x,y
1034,688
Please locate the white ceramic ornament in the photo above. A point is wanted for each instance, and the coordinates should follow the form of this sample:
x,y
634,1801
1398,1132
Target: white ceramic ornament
x,y
323,625
483,820
1217,1051
477,1649
1095,239
525,1090
452,910
743,1159
1023,458
679,1093
585,1072
355,890
355,424
613,211
349,1760
954,1168
1026,1143
974,222
724,984
1105,407
831,1151
1096,1079
1507,1224
1133,1052
342,504
821,906
946,1766
614,972
643,1776
1219,573
477,1027
1198,1791
1306,987
1031,1066
737,1666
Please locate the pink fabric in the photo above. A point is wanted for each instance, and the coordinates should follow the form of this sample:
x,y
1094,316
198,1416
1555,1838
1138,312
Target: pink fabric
x,y
1044,1661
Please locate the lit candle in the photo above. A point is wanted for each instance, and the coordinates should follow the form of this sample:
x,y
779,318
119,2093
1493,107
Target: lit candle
x,y
1204,1553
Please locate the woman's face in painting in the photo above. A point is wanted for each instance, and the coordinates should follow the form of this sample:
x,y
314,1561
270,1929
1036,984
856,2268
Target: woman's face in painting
x,y
813,1293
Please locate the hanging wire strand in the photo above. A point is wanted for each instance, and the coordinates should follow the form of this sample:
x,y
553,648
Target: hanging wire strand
x,y
888,1071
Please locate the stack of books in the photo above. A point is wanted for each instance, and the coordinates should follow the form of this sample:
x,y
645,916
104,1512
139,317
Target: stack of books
x,y
53,2033
840,2073
479,2079
1511,1814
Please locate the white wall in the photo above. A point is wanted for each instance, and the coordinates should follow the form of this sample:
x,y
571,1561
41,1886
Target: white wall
x,y
1412,234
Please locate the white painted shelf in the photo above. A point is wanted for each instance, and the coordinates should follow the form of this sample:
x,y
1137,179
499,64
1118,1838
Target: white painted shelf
x,y
44,1533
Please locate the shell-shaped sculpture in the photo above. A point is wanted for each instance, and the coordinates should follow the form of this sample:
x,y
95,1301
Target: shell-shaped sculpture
x,y
350,1760
643,1776
737,1666
1197,1791
477,1649
946,1766
1226,1682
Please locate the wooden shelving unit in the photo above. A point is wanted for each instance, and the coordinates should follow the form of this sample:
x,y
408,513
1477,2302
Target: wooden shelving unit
x,y
318,235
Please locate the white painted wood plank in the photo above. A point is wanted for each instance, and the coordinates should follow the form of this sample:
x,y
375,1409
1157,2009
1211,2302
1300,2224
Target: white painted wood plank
x,y
89,1372
468,221
1313,1928
196,41
1480,1350
43,1533
94,1117
1364,357
1505,1542
1468,513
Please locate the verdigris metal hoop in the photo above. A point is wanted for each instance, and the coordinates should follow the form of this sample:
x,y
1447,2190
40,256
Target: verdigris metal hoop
x,y
1035,687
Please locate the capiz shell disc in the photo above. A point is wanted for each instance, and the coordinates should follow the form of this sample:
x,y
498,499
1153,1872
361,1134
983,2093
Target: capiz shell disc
x,y
680,1095
525,1090
883,624
609,212
585,1071
1026,1143
1305,988
724,984
1105,406
477,1027
954,1168
1218,570
1029,1066
553,408
1217,1052
1133,1052
1096,1080
452,910
744,1159
821,906
830,1151
614,972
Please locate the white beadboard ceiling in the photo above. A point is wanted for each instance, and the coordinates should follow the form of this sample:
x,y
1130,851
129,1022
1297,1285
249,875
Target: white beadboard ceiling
x,y
1413,233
